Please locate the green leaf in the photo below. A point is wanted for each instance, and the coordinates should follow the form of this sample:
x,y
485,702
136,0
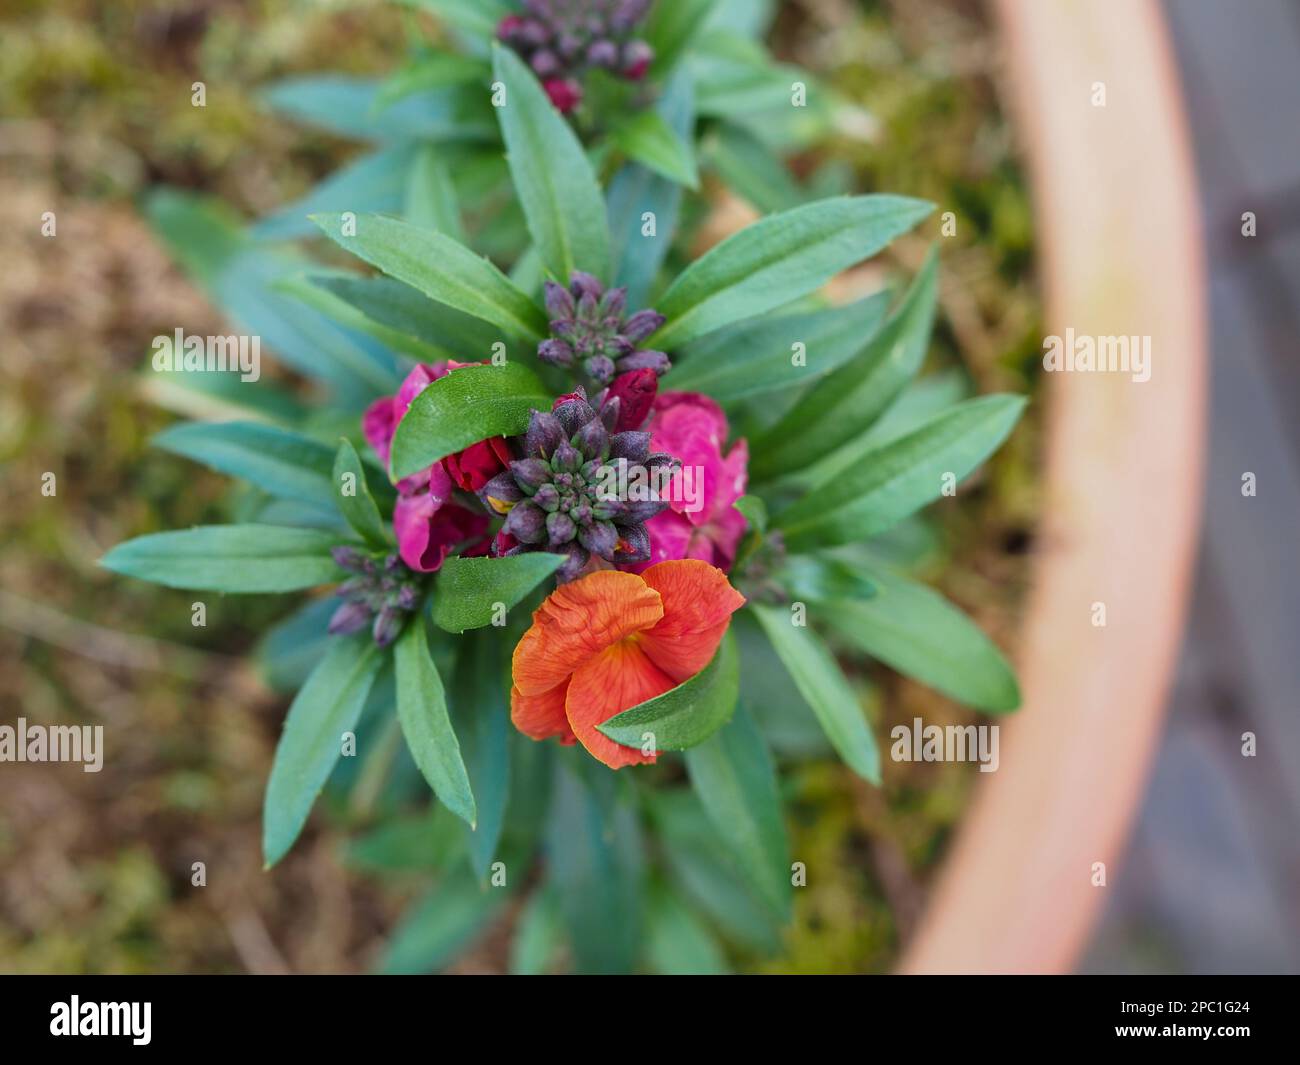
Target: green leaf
x,y
422,710
778,259
280,462
467,405
427,842
448,920
647,138
817,676
899,477
468,589
553,179
328,705
758,355
822,578
431,194
688,714
769,693
918,632
595,862
750,169
635,190
289,650
479,17
843,405
670,27
678,942
481,715
435,70
359,507
755,512
402,318
441,268
229,558
735,778
540,934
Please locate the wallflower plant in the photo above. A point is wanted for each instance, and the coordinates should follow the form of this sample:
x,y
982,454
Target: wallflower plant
x,y
499,601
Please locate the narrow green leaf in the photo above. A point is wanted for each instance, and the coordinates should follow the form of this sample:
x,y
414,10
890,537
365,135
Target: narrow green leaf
x,y
778,259
462,408
554,180
403,318
435,70
901,476
688,714
441,268
469,589
328,706
776,352
648,138
918,632
354,499
679,943
431,194
540,934
817,676
844,405
735,778
481,716
670,27
479,17
755,512
229,558
289,650
823,577
447,921
750,168
595,862
422,710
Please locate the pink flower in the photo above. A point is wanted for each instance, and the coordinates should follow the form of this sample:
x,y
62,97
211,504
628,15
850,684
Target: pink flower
x,y
701,521
426,520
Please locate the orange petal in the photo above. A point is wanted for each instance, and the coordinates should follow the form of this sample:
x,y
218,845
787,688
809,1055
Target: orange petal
x,y
616,679
578,621
541,716
698,603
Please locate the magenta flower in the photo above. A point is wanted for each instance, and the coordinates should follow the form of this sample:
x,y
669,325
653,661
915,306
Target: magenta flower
x,y
701,521
427,522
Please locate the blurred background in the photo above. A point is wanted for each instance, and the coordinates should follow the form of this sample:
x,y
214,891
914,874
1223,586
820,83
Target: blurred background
x,y
95,110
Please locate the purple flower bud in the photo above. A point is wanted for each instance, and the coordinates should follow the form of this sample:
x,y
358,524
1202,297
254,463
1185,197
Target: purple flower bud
x,y
600,369
547,497
610,510
567,458
633,545
573,414
600,538
637,56
349,618
388,623
609,411
500,493
526,523
592,439
583,284
588,304
632,445
603,53
643,510
545,63
559,528
642,324
530,474
645,360
576,562
544,434
348,558
408,597
555,352
660,458
559,301
613,304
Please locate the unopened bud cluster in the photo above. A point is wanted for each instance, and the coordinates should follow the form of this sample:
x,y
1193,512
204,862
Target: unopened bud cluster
x,y
382,592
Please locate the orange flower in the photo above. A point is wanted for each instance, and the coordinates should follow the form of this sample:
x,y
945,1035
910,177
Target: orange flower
x,y
610,640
